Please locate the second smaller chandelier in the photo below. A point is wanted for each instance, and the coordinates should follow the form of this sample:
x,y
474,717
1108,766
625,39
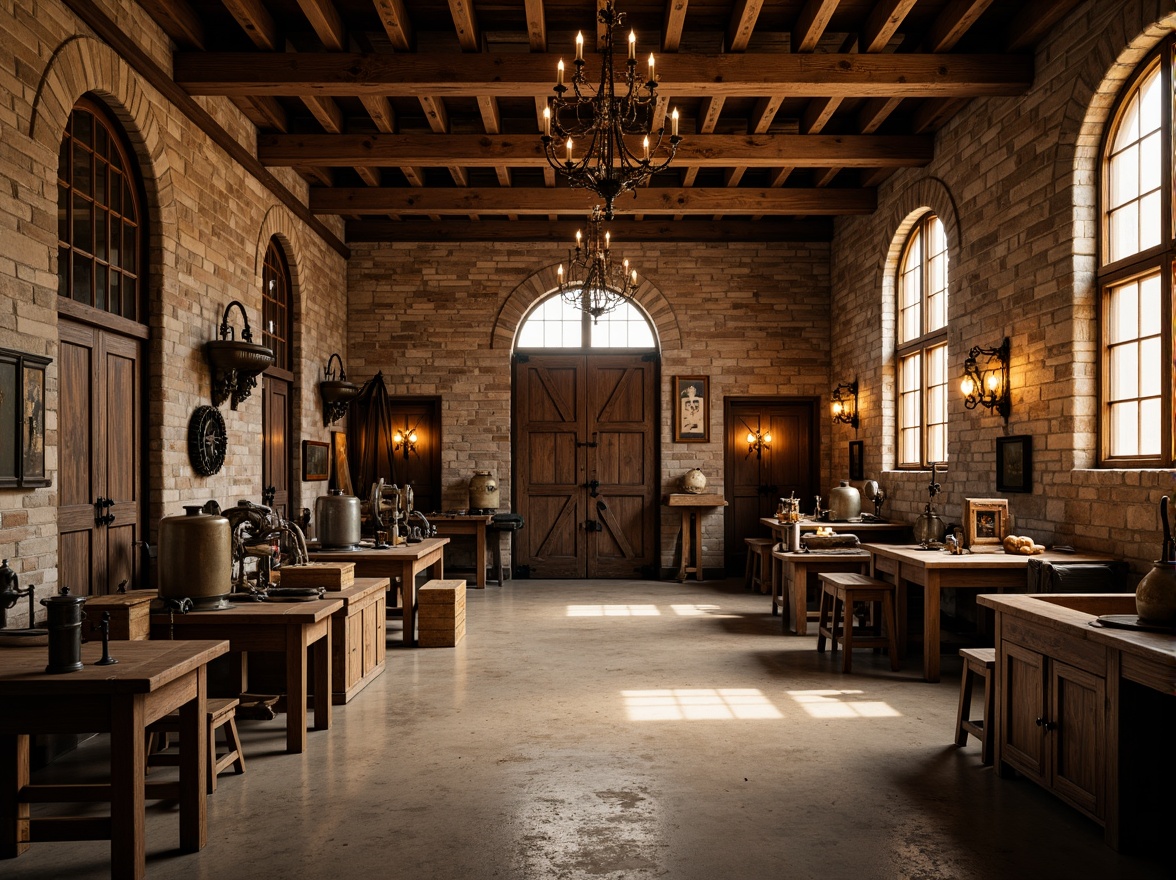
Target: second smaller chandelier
x,y
593,282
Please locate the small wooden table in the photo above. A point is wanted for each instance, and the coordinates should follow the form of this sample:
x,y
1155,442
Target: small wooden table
x,y
794,570
450,524
404,562
357,637
150,680
937,570
294,629
692,507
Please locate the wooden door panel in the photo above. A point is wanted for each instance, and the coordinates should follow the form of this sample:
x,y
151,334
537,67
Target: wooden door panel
x,y
121,433
622,460
1078,710
553,458
275,459
121,558
555,546
552,394
75,372
1023,694
76,560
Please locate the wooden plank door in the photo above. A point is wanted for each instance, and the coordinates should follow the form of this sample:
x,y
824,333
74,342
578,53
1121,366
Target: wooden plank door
x,y
621,397
100,459
550,465
275,458
755,482
585,465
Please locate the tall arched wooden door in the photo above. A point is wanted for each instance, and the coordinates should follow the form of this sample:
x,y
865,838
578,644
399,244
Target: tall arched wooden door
x,y
585,464
102,334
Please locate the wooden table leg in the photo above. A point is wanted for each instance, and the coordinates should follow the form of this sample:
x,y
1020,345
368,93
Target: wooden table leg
x,y
931,627
800,597
194,767
128,774
685,545
322,678
408,602
14,776
296,690
698,576
480,556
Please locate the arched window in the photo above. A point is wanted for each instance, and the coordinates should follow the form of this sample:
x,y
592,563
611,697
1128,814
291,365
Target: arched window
x,y
1135,271
100,224
921,347
556,323
276,315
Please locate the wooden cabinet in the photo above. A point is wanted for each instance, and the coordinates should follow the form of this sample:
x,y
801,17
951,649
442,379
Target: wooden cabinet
x,y
1053,725
357,637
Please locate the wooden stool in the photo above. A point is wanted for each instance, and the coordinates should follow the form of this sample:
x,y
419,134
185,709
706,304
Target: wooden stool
x,y
222,713
759,558
840,590
978,663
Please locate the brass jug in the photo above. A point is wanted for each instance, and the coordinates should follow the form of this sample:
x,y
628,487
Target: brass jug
x,y
1155,597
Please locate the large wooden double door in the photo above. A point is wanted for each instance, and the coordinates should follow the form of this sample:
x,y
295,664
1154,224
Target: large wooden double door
x,y
585,465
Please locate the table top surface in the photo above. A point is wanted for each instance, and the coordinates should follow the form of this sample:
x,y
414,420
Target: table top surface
x,y
370,554
685,499
459,517
255,613
916,555
838,526
854,553
143,667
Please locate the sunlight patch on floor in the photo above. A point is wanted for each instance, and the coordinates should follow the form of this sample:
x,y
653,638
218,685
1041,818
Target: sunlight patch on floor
x,y
696,610
842,704
613,611
698,704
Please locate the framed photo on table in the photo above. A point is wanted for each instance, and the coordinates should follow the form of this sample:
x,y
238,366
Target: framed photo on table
x,y
1014,463
986,521
691,409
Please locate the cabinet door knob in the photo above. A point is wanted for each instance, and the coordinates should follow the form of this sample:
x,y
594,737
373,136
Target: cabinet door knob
x,y
1039,722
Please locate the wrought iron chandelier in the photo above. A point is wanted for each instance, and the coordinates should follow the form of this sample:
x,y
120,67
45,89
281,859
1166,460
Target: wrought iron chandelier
x,y
593,282
623,150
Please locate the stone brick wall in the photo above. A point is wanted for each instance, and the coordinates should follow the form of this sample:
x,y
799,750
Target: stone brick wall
x,y
440,319
210,222
1014,180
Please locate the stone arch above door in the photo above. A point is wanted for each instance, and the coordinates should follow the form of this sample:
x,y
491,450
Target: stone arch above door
x,y
540,284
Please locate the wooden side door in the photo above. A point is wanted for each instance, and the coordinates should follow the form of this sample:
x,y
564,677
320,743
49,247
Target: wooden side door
x,y
550,465
99,475
275,459
622,466
756,480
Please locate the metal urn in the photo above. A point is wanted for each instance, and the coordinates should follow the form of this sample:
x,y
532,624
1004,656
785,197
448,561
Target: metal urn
x,y
1155,597
339,520
845,502
65,631
196,559
483,492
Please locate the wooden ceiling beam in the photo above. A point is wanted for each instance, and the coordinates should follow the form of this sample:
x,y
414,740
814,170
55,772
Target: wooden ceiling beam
x,y
526,151
324,19
674,20
953,23
326,111
381,111
1034,21
884,23
256,21
742,25
563,231
178,20
811,24
466,24
266,113
649,200
397,24
833,75
536,25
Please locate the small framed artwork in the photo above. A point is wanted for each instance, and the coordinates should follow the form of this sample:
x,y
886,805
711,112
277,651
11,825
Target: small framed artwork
x,y
691,409
1014,463
985,522
857,464
316,460
22,419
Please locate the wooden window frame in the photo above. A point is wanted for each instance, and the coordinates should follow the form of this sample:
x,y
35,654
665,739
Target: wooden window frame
x,y
276,269
1159,259
922,344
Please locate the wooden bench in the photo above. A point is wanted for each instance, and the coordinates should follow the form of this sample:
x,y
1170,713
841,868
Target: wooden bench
x,y
222,713
441,610
839,592
978,663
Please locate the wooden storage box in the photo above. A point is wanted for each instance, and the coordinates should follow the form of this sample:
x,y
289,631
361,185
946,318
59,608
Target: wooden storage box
x,y
130,615
441,609
357,637
331,576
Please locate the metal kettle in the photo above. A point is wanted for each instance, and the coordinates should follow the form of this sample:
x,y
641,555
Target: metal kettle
x,y
1155,597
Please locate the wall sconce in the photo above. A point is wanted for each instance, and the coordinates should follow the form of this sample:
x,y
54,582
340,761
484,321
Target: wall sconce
x,y
336,392
757,442
845,403
235,363
404,441
987,384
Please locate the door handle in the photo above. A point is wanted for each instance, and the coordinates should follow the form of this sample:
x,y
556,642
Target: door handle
x,y
593,485
103,519
592,525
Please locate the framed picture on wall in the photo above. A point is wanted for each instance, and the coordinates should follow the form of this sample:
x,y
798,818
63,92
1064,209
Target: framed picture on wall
x,y
342,472
22,419
986,522
857,464
691,409
1014,463
316,460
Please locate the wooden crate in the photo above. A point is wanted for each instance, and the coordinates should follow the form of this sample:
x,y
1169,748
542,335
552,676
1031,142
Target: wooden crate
x,y
331,576
441,606
130,615
357,638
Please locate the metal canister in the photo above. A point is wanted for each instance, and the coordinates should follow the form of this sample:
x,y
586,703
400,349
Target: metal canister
x,y
483,491
65,631
338,519
196,558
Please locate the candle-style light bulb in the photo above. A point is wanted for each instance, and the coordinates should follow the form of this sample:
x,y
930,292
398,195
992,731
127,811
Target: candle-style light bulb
x,y
837,408
967,386
559,73
580,46
634,276
993,382
559,273
607,239
645,148
632,45
569,150
547,122
767,438
652,78
674,122
412,438
750,438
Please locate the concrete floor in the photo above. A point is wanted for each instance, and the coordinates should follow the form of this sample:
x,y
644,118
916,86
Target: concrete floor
x,y
608,729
